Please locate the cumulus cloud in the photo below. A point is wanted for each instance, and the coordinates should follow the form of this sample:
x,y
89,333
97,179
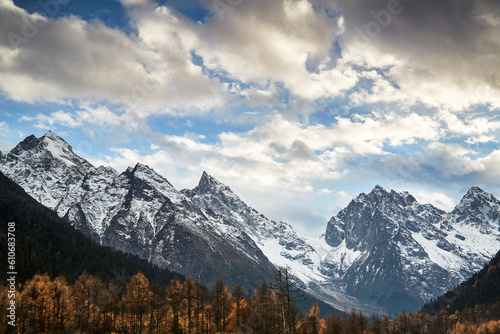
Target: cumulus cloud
x,y
59,117
283,154
481,139
453,159
438,199
67,58
437,163
491,163
470,126
263,40
441,53
380,90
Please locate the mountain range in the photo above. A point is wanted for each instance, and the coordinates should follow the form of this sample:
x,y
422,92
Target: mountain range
x,y
383,253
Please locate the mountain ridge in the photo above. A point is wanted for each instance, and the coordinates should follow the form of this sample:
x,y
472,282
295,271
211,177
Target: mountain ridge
x,y
45,243
384,251
138,211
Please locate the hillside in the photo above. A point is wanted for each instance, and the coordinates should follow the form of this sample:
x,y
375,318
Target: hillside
x,y
46,243
482,289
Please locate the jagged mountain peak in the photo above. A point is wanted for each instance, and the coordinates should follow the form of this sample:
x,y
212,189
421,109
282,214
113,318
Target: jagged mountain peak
x,y
208,184
146,174
50,145
60,149
50,135
28,143
479,194
417,239
104,169
478,208
379,190
47,167
379,196
143,171
142,168
207,180
475,199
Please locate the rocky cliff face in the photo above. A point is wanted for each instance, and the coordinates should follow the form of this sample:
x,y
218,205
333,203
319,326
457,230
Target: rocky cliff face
x,y
278,240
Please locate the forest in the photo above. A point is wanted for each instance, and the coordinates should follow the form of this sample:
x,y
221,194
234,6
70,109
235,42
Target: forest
x,y
67,283
90,305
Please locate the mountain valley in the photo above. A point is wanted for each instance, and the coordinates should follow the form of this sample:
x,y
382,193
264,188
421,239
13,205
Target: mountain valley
x,y
384,252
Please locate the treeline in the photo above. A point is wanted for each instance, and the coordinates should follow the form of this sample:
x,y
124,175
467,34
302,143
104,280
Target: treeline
x,y
90,305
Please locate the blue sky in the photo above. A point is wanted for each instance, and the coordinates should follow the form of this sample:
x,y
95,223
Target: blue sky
x,y
297,105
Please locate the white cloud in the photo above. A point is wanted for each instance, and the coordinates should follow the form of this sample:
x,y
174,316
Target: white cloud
x,y
55,118
439,200
481,139
261,41
445,60
69,58
129,3
452,160
291,42
491,163
98,115
285,153
472,125
381,90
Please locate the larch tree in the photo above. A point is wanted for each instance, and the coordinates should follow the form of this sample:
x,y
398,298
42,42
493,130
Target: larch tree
x,y
59,293
289,293
175,297
108,306
240,306
312,324
221,304
36,302
334,325
137,299
84,297
190,291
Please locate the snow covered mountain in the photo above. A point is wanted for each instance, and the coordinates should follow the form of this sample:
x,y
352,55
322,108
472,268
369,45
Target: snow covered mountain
x,y
45,167
383,252
310,259
137,211
408,253
279,242
385,249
